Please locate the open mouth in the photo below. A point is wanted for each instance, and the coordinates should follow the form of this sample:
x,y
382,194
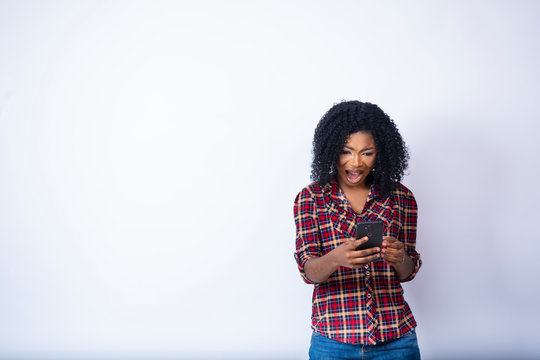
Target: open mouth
x,y
353,176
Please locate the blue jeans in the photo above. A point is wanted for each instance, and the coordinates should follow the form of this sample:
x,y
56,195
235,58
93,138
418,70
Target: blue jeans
x,y
404,348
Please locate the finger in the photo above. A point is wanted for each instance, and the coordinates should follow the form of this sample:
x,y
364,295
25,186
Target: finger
x,y
393,244
365,252
361,240
393,257
393,252
358,242
365,260
387,240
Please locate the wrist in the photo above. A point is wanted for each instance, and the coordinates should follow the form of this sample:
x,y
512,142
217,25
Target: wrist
x,y
332,259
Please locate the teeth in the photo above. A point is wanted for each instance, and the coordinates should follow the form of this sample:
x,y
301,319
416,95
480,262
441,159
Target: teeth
x,y
354,176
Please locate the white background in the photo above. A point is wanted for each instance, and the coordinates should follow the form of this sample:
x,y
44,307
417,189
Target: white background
x,y
150,153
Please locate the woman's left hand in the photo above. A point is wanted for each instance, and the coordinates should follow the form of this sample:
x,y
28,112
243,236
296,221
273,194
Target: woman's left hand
x,y
393,251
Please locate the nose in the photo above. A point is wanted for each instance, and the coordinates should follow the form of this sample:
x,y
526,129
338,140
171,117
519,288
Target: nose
x,y
356,160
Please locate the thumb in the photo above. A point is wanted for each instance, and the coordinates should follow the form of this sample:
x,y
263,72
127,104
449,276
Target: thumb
x,y
360,241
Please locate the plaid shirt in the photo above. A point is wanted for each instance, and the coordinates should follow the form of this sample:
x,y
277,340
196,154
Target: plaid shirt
x,y
358,306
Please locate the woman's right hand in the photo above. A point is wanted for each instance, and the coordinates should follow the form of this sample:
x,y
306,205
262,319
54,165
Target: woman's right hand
x,y
319,269
346,254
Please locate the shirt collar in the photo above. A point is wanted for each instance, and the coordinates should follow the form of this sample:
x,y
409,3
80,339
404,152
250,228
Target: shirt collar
x,y
334,192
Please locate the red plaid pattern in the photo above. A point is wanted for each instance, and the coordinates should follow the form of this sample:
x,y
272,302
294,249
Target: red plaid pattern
x,y
364,305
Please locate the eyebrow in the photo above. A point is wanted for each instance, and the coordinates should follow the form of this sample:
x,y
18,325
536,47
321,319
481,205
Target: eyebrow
x,y
365,149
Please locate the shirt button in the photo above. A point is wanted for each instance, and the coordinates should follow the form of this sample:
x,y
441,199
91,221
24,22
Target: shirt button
x,y
367,272
369,296
367,266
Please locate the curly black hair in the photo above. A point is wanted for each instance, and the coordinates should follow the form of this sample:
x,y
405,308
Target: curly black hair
x,y
349,117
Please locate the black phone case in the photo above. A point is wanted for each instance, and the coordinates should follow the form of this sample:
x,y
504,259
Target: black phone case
x,y
373,230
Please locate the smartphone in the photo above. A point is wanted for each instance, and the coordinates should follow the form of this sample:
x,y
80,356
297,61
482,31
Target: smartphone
x,y
373,230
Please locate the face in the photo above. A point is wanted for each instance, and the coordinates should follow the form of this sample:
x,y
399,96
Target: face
x,y
356,160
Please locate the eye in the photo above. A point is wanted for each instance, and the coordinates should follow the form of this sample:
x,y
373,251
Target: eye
x,y
343,152
368,153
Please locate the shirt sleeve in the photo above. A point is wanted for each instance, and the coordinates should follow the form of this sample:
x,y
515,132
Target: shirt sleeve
x,y
307,231
408,231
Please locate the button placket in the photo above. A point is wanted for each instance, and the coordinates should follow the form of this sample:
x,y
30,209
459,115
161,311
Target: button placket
x,y
370,305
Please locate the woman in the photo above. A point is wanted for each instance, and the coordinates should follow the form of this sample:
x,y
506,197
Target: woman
x,y
358,308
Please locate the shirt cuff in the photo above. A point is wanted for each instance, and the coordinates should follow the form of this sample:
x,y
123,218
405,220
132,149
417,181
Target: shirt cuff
x,y
301,261
417,260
